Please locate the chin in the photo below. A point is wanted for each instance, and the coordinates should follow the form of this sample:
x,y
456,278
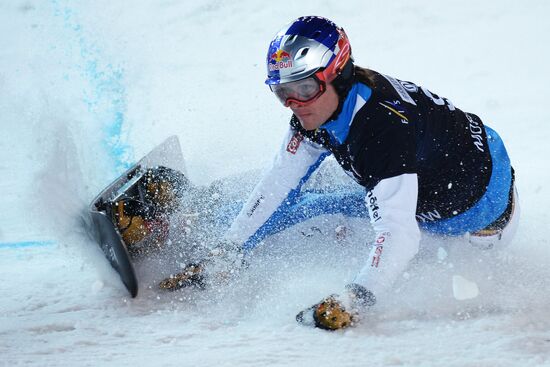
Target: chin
x,y
309,124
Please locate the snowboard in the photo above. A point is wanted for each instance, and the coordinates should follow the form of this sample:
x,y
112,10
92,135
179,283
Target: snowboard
x,y
101,224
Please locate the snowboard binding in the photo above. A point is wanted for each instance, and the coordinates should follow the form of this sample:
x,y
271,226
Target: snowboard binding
x,y
141,213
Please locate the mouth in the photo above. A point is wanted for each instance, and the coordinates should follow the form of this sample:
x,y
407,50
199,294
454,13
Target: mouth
x,y
303,113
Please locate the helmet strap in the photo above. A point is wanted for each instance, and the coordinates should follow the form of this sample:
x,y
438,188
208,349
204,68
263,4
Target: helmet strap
x,y
342,84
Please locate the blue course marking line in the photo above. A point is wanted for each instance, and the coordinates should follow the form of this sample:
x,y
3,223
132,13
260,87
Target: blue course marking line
x,y
106,97
24,244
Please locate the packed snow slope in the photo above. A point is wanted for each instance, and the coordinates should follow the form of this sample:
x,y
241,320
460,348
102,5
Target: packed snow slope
x,y
87,88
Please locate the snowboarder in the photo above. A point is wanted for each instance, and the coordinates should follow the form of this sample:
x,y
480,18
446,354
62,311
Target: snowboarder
x,y
424,165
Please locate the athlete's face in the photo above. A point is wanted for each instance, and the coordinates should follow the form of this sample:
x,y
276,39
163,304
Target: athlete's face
x,y
316,113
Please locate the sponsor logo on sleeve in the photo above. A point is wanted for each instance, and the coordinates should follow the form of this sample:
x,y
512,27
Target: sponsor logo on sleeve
x,y
377,255
379,243
294,143
372,203
255,205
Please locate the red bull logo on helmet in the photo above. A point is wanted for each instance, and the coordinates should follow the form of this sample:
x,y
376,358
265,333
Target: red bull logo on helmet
x,y
279,60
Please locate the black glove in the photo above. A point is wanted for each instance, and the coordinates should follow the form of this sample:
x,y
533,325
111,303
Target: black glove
x,y
360,296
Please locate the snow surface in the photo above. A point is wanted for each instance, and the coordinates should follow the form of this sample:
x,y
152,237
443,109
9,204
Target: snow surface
x,y
88,87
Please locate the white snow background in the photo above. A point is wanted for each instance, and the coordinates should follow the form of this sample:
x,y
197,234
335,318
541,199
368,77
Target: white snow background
x,y
87,87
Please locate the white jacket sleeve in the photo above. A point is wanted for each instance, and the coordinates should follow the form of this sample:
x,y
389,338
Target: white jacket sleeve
x,y
292,166
392,209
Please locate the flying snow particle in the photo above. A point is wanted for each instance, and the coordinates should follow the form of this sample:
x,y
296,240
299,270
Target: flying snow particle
x,y
464,289
341,232
97,286
441,254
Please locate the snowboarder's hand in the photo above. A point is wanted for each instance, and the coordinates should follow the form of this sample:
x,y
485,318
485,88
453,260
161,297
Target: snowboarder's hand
x,y
221,264
331,314
338,312
192,275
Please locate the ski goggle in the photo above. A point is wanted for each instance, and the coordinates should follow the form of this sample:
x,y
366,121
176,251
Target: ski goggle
x,y
301,92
